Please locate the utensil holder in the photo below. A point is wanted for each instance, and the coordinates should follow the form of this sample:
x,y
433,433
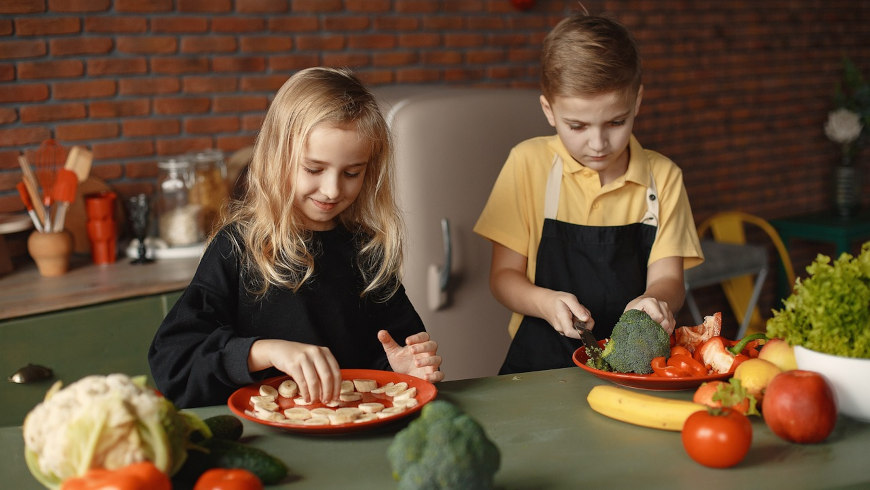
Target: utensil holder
x,y
50,251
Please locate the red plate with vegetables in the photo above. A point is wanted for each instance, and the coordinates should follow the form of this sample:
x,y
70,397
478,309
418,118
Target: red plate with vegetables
x,y
697,355
645,381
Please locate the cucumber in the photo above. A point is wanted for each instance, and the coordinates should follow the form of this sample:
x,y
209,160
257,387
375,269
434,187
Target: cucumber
x,y
226,427
224,453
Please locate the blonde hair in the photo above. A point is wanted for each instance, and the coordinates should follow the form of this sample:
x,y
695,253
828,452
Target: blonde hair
x,y
278,250
588,55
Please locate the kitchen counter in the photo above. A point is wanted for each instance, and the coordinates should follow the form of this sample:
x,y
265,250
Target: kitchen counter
x,y
549,439
24,292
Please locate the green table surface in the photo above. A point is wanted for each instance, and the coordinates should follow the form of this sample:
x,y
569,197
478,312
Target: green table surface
x,y
549,439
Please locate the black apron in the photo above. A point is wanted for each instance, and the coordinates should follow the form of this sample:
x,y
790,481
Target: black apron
x,y
603,266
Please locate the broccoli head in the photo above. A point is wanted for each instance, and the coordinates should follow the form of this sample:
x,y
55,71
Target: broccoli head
x,y
635,341
443,448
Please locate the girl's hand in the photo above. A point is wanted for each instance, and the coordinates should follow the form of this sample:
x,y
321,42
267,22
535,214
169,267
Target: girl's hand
x,y
657,309
418,357
559,309
312,367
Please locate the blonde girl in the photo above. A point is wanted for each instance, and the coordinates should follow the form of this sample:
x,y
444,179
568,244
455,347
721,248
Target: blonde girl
x,y
303,278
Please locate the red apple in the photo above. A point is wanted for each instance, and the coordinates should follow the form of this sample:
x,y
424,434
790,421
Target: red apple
x,y
799,406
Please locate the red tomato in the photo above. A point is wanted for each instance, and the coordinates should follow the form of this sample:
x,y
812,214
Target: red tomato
x,y
706,393
718,438
228,479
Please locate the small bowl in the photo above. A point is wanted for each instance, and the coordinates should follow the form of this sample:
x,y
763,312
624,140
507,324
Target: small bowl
x,y
849,378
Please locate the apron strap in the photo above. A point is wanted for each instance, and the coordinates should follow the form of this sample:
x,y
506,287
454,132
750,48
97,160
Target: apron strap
x,y
554,189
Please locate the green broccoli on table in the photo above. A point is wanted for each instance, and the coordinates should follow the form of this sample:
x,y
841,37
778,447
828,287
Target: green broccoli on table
x,y
443,448
635,341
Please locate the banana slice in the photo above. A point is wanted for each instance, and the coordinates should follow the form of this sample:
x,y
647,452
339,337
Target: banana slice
x,y
263,403
321,412
301,401
270,391
384,388
297,414
336,418
288,389
353,412
396,388
405,402
390,412
365,385
409,393
372,407
365,417
346,386
353,396
316,421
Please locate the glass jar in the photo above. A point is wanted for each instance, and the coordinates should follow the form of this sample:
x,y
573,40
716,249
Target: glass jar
x,y
178,217
209,188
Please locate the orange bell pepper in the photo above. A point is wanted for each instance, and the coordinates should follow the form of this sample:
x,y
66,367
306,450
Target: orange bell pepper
x,y
137,476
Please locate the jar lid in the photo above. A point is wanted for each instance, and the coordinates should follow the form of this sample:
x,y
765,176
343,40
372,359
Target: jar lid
x,y
174,163
209,155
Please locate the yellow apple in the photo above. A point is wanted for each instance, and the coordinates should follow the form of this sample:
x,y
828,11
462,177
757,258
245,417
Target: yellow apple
x,y
780,353
755,374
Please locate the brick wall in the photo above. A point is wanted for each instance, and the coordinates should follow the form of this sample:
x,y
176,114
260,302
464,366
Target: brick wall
x,y
736,92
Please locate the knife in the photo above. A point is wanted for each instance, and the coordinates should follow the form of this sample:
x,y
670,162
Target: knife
x,y
593,350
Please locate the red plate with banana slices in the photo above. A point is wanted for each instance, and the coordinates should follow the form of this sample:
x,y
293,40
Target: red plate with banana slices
x,y
369,398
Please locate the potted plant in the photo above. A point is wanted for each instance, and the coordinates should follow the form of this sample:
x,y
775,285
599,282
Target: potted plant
x,y
845,126
827,320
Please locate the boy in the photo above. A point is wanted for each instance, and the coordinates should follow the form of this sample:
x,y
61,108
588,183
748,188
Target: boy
x,y
586,224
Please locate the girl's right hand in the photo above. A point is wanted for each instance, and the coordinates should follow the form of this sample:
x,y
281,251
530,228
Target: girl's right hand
x,y
312,367
559,309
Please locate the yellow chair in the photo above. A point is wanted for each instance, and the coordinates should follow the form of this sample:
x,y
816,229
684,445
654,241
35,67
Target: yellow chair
x,y
729,227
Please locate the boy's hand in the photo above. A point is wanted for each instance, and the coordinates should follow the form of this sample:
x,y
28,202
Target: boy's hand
x,y
657,309
312,367
418,357
559,309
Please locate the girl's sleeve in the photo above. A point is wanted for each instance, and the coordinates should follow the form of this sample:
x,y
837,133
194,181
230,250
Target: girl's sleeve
x,y
196,356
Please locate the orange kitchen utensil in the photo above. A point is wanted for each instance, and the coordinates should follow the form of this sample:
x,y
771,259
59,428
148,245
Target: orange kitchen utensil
x,y
63,192
25,198
79,161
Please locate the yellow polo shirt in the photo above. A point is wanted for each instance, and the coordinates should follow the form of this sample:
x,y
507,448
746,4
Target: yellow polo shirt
x,y
514,213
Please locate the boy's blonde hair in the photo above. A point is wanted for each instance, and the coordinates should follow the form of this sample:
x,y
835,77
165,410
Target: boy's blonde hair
x,y
278,247
587,55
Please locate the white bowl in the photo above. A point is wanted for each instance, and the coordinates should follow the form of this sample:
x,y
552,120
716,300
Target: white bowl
x,y
849,378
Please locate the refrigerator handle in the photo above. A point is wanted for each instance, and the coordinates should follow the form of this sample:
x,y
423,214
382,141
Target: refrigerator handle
x,y
439,277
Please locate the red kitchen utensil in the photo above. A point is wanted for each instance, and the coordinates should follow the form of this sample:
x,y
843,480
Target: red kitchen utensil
x,y
25,198
63,192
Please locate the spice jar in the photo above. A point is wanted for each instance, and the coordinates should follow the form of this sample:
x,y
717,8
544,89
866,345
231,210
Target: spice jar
x,y
209,188
178,217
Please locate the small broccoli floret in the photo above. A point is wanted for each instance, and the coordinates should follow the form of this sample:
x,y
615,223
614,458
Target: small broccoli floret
x,y
596,361
635,341
444,448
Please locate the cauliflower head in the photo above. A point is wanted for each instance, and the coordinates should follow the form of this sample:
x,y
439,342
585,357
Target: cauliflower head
x,y
105,422
635,341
